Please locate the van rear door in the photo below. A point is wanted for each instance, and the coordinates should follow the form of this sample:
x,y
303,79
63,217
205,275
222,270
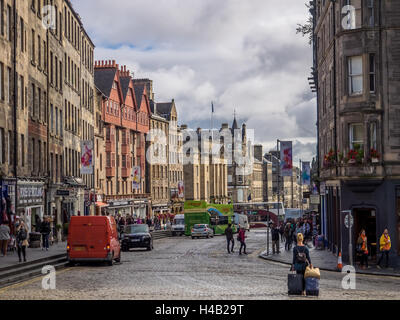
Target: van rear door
x,y
89,239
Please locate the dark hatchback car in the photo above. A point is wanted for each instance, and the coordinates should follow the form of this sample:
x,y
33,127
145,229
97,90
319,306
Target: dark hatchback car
x,y
136,236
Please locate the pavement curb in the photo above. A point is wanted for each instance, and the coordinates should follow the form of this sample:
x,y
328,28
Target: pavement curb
x,y
334,270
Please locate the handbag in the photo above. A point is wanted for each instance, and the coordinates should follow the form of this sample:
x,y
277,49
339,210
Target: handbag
x,y
312,273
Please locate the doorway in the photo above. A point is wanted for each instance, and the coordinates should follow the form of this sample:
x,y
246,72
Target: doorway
x,y
365,218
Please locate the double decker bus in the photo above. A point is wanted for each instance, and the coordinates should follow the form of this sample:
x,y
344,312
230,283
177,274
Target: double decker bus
x,y
261,213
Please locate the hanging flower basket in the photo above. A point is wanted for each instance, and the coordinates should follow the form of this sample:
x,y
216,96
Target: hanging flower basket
x,y
355,156
375,156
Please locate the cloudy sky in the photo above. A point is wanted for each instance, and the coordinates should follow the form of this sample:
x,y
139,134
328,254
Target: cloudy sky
x,y
244,55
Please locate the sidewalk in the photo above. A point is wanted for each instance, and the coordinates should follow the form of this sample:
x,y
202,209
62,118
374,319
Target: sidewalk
x,y
32,254
325,260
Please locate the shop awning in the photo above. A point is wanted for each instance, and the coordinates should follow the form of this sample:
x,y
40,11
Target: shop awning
x,y
101,204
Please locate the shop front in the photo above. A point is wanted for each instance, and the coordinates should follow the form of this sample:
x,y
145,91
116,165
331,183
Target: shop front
x,y
7,203
30,203
119,208
374,205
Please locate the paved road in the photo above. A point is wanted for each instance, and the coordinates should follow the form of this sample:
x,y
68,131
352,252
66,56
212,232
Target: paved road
x,y
182,268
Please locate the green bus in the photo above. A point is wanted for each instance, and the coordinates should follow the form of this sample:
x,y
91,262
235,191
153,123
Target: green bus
x,y
217,216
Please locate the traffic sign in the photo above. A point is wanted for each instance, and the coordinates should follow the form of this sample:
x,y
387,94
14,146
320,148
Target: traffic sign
x,y
346,220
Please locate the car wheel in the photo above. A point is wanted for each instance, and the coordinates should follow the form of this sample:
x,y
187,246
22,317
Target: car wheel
x,y
149,248
124,249
207,236
71,263
192,237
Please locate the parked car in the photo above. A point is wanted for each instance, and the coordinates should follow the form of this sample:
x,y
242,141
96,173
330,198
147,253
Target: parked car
x,y
136,236
93,238
202,230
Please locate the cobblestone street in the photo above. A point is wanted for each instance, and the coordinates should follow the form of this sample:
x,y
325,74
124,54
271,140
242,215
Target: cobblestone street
x,y
182,268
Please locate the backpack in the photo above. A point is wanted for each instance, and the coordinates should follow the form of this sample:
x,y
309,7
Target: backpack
x,y
301,256
22,235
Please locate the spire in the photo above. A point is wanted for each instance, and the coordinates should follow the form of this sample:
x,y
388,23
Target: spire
x,y
234,125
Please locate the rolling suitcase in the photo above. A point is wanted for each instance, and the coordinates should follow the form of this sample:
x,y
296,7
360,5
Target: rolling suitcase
x,y
295,284
312,287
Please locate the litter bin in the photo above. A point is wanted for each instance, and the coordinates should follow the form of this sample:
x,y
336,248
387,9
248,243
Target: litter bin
x,y
34,239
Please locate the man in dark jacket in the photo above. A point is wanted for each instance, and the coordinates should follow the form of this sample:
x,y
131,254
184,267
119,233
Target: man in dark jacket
x,y
275,240
229,238
45,231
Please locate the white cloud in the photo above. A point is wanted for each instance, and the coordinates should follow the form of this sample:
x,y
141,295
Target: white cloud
x,y
243,55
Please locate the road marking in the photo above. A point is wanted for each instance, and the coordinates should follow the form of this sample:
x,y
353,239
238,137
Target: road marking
x,y
30,281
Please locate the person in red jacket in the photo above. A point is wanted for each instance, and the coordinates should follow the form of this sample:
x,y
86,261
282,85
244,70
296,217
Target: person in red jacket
x,y
242,238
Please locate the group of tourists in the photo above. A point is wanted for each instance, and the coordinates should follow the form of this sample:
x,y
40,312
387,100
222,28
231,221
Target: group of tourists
x,y
362,250
17,236
293,227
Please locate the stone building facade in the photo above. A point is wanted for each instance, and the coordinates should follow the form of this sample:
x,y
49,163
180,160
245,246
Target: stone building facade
x,y
157,164
126,117
240,174
357,69
40,132
205,168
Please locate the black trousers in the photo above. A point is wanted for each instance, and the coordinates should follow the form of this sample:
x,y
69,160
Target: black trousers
x,y
384,253
230,242
364,259
242,245
23,250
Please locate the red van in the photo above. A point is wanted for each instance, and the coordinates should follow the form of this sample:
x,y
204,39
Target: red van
x,y
93,238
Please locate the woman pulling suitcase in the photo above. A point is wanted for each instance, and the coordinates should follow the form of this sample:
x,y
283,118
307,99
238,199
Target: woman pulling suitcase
x,y
301,259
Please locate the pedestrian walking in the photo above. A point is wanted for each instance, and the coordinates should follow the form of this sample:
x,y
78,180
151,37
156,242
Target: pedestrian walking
x,y
4,237
22,240
242,239
301,257
288,236
362,248
38,223
275,240
384,247
45,231
282,231
229,238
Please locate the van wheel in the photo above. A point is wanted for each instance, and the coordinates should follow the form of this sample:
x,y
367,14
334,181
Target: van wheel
x,y
110,263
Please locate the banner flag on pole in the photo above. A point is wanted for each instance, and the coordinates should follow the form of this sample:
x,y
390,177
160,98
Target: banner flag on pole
x,y
306,173
286,159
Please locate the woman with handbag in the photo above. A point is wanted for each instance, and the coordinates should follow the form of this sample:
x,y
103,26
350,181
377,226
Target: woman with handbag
x,y
362,247
301,257
22,240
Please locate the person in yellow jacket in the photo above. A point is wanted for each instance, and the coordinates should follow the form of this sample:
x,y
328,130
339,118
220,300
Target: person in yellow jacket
x,y
384,246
